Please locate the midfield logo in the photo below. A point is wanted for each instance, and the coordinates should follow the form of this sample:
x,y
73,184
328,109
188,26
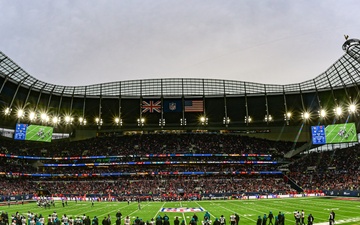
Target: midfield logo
x,y
182,209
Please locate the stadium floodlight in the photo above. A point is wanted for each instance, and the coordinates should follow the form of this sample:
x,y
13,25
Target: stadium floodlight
x,y
268,118
82,121
305,115
182,122
338,111
118,121
204,120
55,120
98,121
141,121
352,108
226,120
322,113
20,113
44,117
162,122
288,115
7,111
248,119
32,116
68,119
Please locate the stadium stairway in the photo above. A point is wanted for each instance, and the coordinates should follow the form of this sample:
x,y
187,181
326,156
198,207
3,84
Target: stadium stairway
x,y
300,149
293,184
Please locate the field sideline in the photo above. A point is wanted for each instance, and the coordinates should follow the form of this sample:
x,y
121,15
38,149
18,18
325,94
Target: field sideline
x,y
347,211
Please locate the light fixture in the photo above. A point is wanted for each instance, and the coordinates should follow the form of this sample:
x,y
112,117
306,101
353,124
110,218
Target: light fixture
x,y
352,108
20,113
322,113
32,116
204,120
141,122
305,115
7,111
338,111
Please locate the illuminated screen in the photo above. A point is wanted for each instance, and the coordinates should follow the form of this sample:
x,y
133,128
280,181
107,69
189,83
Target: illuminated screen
x,y
33,132
331,134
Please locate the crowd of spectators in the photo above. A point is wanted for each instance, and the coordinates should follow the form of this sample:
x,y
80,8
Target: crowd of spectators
x,y
149,185
150,144
313,171
328,170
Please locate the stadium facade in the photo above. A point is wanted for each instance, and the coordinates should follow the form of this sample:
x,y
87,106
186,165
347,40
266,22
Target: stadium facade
x,y
184,103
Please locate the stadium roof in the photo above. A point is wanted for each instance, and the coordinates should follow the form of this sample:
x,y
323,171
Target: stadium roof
x,y
342,74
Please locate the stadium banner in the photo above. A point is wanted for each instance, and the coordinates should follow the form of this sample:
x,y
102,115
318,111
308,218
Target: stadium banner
x,y
172,105
194,105
117,174
347,193
154,163
124,156
151,106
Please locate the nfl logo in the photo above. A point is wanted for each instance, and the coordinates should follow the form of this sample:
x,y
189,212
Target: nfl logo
x,y
172,106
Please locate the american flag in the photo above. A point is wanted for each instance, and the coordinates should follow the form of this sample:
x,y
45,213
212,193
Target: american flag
x,y
194,105
151,106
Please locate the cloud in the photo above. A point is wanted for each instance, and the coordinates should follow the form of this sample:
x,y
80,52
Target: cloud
x,y
87,42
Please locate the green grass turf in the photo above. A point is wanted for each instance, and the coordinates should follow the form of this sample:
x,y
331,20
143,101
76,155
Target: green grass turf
x,y
347,211
333,130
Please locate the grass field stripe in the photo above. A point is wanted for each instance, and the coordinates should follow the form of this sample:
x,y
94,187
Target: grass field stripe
x,y
237,213
205,209
139,209
183,213
159,210
296,206
251,209
108,212
330,204
321,210
357,219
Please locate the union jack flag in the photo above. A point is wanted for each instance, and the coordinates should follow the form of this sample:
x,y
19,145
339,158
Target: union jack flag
x,y
151,106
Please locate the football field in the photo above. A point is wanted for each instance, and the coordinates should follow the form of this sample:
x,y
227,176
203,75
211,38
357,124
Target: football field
x,y
347,210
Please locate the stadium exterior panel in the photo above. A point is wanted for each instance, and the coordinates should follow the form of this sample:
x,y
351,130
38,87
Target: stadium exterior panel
x,y
183,103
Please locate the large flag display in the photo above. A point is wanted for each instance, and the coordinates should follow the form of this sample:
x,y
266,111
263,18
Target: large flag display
x,y
172,105
194,105
151,106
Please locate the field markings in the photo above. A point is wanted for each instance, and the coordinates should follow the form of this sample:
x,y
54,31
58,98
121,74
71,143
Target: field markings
x,y
345,218
251,208
205,209
356,219
236,212
159,210
183,213
323,204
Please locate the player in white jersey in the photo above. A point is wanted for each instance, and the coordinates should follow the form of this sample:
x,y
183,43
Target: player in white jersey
x,y
232,219
127,220
41,220
65,220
